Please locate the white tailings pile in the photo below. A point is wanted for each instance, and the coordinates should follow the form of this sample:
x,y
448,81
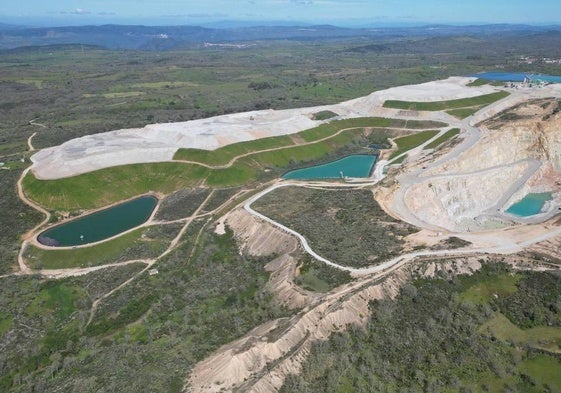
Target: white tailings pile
x,y
159,142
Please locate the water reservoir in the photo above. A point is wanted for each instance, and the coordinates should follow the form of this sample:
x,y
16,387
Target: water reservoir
x,y
359,165
530,205
100,225
516,77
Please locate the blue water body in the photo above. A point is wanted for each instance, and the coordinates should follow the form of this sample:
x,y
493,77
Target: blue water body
x,y
516,77
530,205
359,165
100,225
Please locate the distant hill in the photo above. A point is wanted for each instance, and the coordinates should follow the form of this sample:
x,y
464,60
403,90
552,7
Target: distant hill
x,y
174,37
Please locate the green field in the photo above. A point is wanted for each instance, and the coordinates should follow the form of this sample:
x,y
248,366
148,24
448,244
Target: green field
x,y
541,337
483,291
224,155
406,143
112,184
482,82
443,138
485,99
544,371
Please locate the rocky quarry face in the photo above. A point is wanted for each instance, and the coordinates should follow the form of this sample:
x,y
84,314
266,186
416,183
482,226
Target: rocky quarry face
x,y
519,153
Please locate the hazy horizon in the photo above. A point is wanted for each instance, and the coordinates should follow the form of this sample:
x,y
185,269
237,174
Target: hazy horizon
x,y
351,13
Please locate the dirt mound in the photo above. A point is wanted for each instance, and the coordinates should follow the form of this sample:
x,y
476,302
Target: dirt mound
x,y
281,283
258,238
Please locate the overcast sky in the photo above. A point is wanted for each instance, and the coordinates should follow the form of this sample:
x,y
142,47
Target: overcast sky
x,y
340,12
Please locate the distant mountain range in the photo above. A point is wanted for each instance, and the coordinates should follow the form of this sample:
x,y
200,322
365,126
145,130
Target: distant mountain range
x,y
177,37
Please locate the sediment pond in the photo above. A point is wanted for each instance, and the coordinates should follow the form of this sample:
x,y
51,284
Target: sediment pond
x,y
530,205
516,77
358,165
100,225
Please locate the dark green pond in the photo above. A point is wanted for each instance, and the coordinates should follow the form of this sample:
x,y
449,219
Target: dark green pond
x,y
358,165
100,225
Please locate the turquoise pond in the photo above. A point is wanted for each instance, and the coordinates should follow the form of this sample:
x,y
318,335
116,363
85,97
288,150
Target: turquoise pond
x,y
358,165
516,77
100,225
530,205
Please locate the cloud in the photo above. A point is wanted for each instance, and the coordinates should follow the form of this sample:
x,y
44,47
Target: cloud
x,y
104,13
77,11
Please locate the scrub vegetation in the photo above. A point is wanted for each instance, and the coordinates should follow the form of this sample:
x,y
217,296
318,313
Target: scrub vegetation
x,y
479,348
182,203
317,276
345,226
144,336
17,218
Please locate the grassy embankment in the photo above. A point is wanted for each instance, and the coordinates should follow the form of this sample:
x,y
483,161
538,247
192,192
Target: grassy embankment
x,y
118,183
483,82
406,143
443,138
460,108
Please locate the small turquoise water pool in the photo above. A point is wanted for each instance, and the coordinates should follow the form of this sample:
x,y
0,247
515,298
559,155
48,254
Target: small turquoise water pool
x,y
516,77
100,225
530,205
358,165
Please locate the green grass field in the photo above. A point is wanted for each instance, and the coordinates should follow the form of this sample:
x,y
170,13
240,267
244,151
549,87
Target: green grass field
x,y
482,82
485,99
406,143
544,371
541,337
112,184
443,138
483,292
